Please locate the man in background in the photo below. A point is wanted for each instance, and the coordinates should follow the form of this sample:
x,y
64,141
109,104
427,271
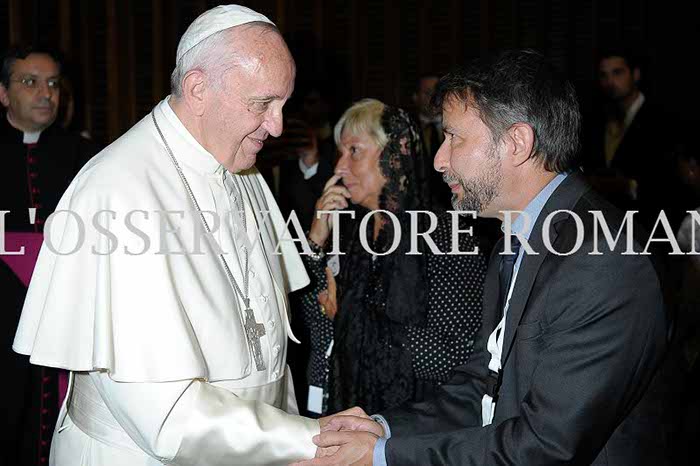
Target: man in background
x,y
432,135
39,159
626,157
308,139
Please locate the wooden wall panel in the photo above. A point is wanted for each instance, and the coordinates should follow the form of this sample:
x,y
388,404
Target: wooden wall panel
x,y
410,63
86,58
102,61
124,50
375,38
159,75
442,52
469,31
16,16
112,48
65,31
45,28
5,23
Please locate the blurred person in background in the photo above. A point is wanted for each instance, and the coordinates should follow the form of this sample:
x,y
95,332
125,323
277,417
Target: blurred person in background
x,y
432,136
626,153
306,151
308,137
39,158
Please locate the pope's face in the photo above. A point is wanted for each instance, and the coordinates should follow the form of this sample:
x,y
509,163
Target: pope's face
x,y
247,107
32,95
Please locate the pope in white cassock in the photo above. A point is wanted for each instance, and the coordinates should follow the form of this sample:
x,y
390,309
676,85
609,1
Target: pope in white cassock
x,y
174,325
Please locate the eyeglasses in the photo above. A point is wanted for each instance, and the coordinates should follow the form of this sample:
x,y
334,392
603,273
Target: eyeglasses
x,y
33,83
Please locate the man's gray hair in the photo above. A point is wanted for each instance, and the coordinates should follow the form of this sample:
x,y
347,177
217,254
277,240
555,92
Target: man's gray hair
x,y
214,56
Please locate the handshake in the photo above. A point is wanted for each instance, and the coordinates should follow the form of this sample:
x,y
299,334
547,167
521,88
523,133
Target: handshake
x,y
346,438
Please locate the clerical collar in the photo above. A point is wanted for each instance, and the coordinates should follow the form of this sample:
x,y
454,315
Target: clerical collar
x,y
197,157
28,137
31,137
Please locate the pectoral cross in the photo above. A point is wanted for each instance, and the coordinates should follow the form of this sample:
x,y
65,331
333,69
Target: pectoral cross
x,y
253,332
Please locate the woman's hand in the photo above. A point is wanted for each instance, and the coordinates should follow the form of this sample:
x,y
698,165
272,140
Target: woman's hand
x,y
334,197
327,298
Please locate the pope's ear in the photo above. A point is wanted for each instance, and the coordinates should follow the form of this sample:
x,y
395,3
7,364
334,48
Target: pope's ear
x,y
193,87
521,142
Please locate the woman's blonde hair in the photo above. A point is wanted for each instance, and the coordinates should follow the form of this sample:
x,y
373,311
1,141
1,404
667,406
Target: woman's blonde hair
x,y
363,117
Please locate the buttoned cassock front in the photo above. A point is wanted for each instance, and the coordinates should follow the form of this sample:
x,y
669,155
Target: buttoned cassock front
x,y
147,320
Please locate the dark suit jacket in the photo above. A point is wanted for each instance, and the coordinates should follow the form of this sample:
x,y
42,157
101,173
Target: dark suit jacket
x,y
583,338
300,195
644,154
636,152
60,156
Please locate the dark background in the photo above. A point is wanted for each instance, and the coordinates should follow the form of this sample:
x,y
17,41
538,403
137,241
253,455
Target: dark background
x,y
120,52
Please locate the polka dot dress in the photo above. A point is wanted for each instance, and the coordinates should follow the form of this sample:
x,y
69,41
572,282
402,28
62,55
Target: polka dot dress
x,y
320,327
446,338
454,307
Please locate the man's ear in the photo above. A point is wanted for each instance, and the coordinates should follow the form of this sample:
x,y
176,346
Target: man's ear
x,y
694,170
521,141
194,85
4,98
636,74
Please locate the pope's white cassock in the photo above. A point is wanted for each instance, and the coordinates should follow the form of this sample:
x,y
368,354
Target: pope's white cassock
x,y
154,335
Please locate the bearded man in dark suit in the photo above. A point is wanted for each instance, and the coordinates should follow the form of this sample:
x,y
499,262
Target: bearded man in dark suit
x,y
573,330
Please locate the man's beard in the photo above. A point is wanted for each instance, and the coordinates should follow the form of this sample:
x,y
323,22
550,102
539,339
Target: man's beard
x,y
479,192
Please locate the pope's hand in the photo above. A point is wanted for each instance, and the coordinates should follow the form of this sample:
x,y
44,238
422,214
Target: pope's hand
x,y
342,448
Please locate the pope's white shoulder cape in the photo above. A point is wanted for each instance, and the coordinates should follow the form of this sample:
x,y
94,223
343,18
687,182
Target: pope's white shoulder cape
x,y
144,316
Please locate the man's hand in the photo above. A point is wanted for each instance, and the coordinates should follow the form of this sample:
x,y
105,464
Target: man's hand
x,y
348,422
342,448
355,412
349,449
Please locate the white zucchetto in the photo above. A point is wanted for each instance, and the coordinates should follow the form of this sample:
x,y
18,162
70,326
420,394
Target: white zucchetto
x,y
215,20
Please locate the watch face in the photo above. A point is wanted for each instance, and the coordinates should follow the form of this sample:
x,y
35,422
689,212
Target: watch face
x,y
334,264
